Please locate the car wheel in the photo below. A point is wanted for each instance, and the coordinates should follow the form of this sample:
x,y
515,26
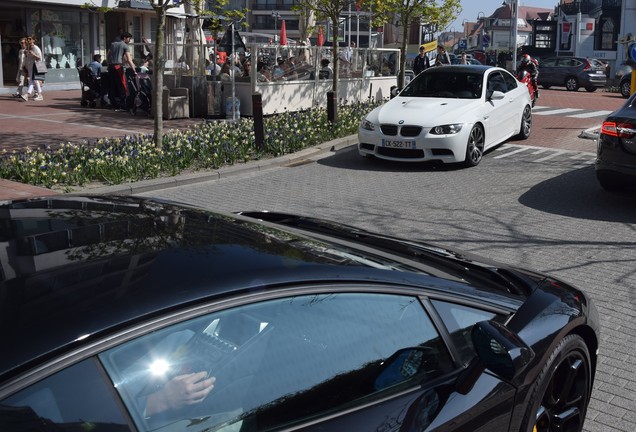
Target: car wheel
x,y
571,84
609,181
590,89
625,88
526,124
561,393
474,146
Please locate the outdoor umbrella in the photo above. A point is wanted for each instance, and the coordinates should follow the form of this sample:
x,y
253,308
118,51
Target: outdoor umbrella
x,y
283,34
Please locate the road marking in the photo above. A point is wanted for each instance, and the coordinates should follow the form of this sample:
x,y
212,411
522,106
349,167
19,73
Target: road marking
x,y
541,151
592,114
558,111
519,150
550,156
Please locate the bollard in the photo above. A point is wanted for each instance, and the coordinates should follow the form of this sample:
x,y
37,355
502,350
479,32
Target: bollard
x,y
257,113
332,114
632,87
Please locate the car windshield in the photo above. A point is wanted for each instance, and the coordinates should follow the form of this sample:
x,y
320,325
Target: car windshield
x,y
460,85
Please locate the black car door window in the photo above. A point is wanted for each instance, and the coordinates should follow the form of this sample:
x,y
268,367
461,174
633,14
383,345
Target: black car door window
x,y
76,398
281,362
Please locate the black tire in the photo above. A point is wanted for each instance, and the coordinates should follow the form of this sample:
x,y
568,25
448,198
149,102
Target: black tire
x,y
590,89
93,104
474,146
562,390
572,84
625,87
84,103
526,123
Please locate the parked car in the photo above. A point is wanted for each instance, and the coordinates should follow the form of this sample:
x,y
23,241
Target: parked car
x,y
616,149
450,114
625,85
128,314
572,73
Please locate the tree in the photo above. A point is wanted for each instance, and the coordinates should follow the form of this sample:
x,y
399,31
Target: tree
x,y
407,12
194,9
329,9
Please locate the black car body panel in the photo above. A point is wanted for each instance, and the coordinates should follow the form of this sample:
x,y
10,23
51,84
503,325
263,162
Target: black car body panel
x,y
84,274
616,149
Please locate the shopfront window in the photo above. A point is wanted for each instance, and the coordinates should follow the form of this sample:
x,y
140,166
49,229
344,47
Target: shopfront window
x,y
64,41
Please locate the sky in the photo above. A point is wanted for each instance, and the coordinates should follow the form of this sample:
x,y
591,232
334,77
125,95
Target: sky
x,y
471,9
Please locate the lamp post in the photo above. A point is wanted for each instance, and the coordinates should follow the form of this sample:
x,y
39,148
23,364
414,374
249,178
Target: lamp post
x,y
481,33
276,16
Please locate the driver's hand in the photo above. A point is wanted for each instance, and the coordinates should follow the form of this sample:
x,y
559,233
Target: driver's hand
x,y
181,390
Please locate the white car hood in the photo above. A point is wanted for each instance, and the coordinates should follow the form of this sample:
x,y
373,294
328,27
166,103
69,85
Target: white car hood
x,y
427,112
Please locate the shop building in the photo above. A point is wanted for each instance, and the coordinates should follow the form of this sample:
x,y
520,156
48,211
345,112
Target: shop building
x,y
69,34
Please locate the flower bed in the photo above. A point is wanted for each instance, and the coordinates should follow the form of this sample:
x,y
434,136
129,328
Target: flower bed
x,y
210,146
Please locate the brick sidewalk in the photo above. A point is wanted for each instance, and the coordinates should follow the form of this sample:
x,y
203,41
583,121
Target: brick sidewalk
x,y
60,118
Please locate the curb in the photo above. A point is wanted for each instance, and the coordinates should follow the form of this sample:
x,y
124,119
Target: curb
x,y
309,154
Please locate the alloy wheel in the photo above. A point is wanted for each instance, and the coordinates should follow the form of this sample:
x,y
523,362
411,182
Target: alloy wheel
x,y
475,146
564,402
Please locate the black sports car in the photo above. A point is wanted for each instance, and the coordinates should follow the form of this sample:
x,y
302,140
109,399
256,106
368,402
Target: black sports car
x,y
616,149
126,314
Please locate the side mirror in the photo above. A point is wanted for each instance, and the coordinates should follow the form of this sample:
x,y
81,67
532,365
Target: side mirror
x,y
395,91
497,95
500,350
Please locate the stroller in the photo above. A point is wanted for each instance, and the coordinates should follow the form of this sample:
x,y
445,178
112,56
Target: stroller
x,y
139,92
92,88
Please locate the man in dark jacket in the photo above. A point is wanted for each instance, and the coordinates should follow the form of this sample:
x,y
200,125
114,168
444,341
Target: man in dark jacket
x,y
421,62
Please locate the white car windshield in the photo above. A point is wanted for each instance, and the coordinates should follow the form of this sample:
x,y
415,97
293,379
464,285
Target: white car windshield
x,y
460,85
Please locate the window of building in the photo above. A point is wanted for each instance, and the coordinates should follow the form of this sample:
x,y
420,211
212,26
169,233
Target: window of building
x,y
606,40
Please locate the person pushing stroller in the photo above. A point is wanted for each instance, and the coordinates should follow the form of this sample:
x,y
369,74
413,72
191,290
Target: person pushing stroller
x,y
120,59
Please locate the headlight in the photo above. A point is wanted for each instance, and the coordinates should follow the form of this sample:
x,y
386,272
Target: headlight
x,y
447,129
367,125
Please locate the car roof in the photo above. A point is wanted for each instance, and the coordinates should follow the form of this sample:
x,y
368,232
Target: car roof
x,y
81,267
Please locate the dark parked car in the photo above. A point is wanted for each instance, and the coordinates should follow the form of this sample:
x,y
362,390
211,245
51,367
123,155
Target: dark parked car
x,y
126,314
616,149
625,85
572,73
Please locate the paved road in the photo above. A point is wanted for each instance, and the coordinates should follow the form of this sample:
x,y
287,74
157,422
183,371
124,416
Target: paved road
x,y
533,206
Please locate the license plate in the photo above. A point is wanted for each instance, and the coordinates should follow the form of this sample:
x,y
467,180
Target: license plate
x,y
404,144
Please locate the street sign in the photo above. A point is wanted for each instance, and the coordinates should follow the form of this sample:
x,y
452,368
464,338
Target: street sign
x,y
486,45
485,39
462,44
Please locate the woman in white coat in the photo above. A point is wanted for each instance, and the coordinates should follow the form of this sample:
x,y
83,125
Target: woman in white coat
x,y
33,54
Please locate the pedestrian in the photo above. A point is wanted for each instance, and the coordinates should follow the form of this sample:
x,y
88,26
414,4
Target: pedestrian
x,y
325,71
421,62
32,55
96,65
21,76
442,56
119,59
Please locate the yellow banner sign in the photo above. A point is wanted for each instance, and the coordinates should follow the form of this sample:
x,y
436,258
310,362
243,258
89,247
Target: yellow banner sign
x,y
430,46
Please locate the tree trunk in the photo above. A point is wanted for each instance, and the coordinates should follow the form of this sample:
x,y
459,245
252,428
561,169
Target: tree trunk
x,y
336,62
405,36
157,75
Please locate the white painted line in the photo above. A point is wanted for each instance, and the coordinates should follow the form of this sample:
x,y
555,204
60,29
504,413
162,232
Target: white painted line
x,y
558,111
519,150
541,151
553,155
602,113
